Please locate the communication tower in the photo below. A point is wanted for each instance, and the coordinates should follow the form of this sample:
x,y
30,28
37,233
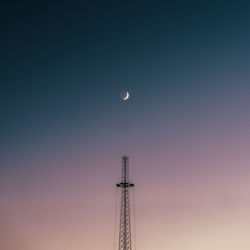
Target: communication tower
x,y
125,226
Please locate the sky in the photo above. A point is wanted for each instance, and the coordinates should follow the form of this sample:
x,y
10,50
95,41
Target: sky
x,y
185,128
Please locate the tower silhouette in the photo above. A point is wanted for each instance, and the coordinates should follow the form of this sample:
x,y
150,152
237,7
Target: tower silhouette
x,y
125,226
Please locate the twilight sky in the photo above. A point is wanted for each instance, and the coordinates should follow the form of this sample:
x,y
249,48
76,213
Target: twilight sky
x,y
186,127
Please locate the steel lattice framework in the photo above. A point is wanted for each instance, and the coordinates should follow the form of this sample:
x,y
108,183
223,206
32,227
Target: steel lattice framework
x,y
125,226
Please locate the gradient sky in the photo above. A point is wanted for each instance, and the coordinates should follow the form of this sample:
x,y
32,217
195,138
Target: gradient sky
x,y
64,128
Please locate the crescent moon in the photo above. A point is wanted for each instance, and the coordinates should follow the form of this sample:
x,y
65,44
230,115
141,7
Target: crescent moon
x,y
127,96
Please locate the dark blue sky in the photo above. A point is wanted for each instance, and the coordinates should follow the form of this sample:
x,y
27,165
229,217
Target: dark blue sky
x,y
63,64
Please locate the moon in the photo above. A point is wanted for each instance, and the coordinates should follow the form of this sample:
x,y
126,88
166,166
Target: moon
x,y
125,95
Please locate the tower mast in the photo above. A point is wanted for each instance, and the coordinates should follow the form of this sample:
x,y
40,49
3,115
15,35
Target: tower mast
x,y
125,226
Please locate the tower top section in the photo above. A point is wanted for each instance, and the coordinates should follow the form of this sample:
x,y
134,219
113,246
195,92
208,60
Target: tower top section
x,y
125,174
